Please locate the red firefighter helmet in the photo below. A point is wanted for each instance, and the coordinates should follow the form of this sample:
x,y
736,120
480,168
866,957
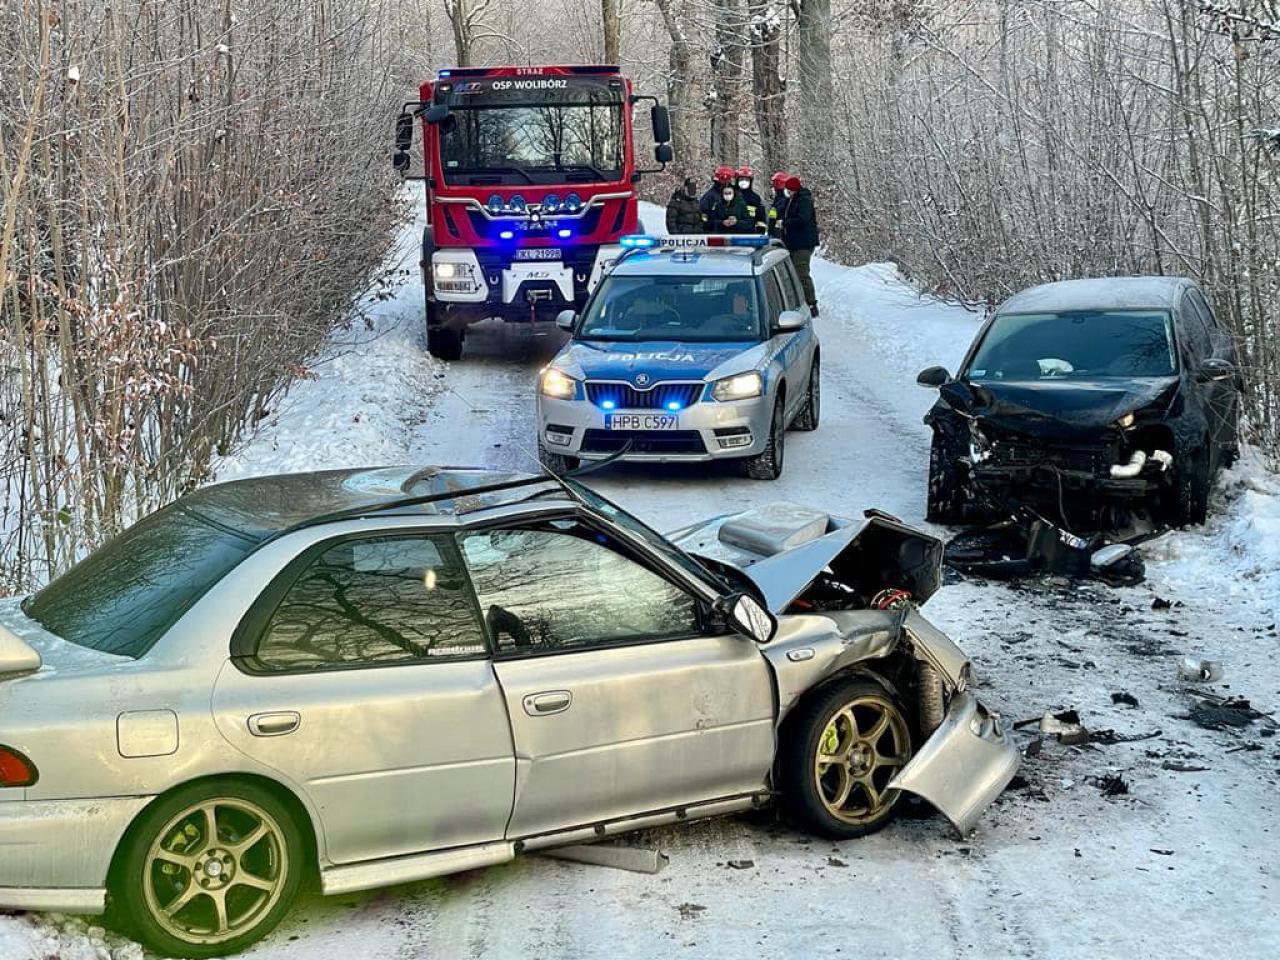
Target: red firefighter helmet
x,y
746,173
779,179
724,174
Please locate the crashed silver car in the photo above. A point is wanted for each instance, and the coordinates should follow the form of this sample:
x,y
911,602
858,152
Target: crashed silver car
x,y
360,678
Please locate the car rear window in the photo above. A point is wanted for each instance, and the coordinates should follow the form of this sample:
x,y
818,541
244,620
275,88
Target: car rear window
x,y
1081,344
123,597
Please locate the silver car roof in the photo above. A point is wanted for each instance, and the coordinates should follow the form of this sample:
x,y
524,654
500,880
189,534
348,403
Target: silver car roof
x,y
1100,293
698,261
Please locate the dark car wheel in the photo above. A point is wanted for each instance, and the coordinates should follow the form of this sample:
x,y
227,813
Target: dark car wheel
x,y
557,463
947,501
209,869
811,412
767,465
845,745
1186,501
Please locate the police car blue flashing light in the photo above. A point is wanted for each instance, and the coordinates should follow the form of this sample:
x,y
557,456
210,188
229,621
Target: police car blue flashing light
x,y
638,241
644,241
608,404
673,405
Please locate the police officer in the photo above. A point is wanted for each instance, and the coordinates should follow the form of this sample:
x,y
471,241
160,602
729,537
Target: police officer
x,y
730,215
723,177
800,234
755,204
778,206
683,213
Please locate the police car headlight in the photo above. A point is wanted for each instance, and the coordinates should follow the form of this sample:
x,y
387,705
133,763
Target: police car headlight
x,y
742,387
556,384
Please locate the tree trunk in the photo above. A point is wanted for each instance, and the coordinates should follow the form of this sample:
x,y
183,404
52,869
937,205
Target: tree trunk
x,y
726,69
611,14
770,86
682,96
813,39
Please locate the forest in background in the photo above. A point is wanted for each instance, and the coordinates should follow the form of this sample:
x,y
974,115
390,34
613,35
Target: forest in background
x,y
194,195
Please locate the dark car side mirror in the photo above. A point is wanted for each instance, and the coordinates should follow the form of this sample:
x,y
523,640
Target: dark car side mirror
x,y
1215,370
565,320
933,377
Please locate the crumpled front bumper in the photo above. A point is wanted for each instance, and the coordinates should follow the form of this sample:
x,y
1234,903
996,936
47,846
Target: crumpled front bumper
x,y
964,765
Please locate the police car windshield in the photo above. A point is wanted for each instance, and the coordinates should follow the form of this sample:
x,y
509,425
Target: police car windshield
x,y
687,309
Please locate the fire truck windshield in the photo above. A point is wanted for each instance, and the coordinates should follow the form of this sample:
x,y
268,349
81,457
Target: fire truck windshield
x,y
533,143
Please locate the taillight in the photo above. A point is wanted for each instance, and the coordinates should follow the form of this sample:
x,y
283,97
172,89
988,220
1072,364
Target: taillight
x,y
15,769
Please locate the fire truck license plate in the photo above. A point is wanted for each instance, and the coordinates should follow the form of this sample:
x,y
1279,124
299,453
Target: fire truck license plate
x,y
538,253
641,421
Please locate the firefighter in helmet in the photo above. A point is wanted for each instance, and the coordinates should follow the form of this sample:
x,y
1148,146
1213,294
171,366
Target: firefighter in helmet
x,y
723,177
756,210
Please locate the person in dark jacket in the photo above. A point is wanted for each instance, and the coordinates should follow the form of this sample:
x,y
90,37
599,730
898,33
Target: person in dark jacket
x,y
755,203
723,177
683,213
800,235
778,206
730,215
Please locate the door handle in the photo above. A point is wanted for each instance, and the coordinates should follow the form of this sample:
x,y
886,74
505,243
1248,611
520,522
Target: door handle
x,y
274,724
545,704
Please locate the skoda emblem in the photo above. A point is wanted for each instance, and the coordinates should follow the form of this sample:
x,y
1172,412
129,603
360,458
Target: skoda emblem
x,y
642,379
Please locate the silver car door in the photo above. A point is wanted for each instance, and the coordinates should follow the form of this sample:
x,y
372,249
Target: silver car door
x,y
362,675
620,702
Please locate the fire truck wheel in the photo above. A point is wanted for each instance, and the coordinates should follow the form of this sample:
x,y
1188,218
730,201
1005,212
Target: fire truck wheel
x,y
443,343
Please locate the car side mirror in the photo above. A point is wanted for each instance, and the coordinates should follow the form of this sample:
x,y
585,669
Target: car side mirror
x,y
933,377
400,161
745,614
660,120
789,320
1215,370
565,319
404,132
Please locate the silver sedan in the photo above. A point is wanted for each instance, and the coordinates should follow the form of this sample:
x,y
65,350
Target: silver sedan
x,y
360,678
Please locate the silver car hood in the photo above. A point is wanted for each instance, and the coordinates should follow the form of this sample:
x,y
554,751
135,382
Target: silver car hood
x,y
783,547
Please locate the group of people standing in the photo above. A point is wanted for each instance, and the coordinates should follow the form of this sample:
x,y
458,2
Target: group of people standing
x,y
731,205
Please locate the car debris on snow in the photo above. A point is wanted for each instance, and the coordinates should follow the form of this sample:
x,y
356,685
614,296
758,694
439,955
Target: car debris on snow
x,y
1123,696
632,859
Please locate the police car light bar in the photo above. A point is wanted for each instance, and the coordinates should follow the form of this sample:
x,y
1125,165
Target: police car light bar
x,y
644,241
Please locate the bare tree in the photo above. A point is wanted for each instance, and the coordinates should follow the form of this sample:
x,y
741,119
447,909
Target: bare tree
x,y
611,19
766,27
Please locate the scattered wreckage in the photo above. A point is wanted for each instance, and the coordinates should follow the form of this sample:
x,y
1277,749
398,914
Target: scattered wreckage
x,y
391,674
1085,405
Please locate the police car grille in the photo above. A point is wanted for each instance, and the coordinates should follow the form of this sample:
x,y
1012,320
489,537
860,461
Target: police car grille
x,y
643,441
659,397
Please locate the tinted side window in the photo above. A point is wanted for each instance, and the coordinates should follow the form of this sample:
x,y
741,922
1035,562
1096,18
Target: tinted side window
x,y
772,295
563,586
383,600
1193,326
792,295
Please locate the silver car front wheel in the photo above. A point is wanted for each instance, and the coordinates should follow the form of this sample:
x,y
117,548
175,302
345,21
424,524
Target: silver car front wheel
x,y
209,870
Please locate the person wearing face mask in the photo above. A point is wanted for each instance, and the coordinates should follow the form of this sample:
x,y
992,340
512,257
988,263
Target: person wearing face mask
x,y
755,204
683,213
778,205
800,234
723,177
730,215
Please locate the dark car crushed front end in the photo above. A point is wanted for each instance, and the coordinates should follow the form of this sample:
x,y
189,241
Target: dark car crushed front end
x,y
1086,401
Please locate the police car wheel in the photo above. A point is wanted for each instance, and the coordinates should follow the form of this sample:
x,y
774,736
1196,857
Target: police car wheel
x,y
767,465
557,463
811,412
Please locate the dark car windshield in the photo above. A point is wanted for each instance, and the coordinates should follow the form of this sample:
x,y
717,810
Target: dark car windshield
x,y
1081,344
123,597
688,309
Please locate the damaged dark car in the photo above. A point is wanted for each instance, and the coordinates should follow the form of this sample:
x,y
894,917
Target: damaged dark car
x,y
1089,401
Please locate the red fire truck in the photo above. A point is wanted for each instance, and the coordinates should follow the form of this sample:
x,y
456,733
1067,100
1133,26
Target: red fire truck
x,y
530,180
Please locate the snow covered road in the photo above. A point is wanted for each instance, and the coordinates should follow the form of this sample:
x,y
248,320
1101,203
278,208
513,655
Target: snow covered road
x,y
1185,864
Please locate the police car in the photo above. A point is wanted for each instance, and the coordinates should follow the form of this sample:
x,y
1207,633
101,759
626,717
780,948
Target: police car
x,y
693,348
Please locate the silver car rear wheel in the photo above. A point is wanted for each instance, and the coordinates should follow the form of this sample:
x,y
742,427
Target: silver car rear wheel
x,y
207,871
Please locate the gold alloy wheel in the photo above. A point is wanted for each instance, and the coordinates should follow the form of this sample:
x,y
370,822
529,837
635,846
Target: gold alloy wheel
x,y
215,870
860,751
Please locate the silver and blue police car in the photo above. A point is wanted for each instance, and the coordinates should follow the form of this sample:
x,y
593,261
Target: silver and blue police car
x,y
692,348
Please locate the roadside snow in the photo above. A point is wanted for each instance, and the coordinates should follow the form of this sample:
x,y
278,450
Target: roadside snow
x,y
1182,865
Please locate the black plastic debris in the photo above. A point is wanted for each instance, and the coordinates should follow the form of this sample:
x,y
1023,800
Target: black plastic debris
x,y
1112,785
1128,699
1110,736
1160,603
1233,712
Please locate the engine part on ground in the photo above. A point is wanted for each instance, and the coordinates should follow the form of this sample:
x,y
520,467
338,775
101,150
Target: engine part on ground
x,y
1198,670
1066,726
